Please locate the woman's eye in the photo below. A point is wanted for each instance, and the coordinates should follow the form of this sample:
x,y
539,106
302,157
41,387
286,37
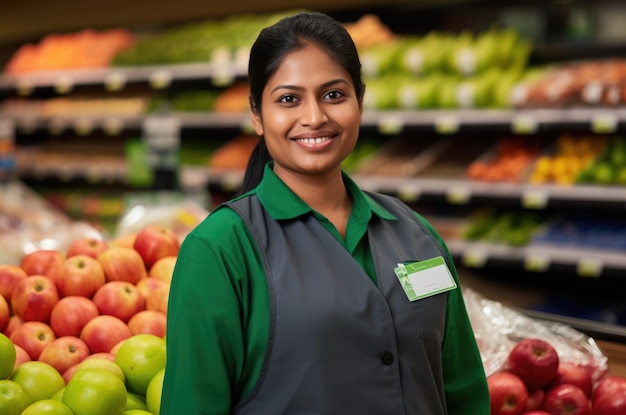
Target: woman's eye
x,y
287,99
334,95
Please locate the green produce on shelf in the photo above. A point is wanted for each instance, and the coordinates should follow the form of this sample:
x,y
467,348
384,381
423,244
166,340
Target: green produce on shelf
x,y
509,227
186,101
609,168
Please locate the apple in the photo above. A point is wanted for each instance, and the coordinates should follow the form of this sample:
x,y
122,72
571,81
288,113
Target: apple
x,y
70,314
154,242
535,361
147,285
103,332
47,407
95,392
535,399
5,315
566,399
507,393
104,364
8,356
20,356
575,374
125,241
9,276
34,297
14,322
120,299
101,355
38,380
48,262
83,276
135,402
33,336
157,299
122,264
87,245
609,396
153,393
137,412
163,268
141,357
63,352
148,322
13,399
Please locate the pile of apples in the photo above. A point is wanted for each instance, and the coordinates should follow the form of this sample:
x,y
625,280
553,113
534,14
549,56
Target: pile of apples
x,y
67,319
535,381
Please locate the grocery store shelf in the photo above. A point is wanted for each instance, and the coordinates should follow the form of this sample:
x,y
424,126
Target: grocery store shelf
x,y
392,122
582,262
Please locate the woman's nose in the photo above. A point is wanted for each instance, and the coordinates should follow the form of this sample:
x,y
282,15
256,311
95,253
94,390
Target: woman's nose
x,y
313,114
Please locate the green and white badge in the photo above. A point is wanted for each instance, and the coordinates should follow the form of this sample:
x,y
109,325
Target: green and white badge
x,y
425,278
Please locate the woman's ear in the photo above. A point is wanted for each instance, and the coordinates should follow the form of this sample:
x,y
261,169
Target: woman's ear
x,y
255,117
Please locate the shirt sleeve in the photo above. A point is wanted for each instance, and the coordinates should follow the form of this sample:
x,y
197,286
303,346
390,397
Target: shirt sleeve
x,y
206,325
465,382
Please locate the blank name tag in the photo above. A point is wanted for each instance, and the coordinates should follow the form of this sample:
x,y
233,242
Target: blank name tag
x,y
425,278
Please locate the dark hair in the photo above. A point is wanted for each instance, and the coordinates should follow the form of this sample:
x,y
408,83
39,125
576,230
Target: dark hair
x,y
272,44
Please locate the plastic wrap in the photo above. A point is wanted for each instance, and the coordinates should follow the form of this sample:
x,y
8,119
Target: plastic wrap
x,y
498,328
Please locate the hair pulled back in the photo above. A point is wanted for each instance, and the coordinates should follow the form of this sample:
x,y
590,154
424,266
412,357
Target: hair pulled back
x,y
273,43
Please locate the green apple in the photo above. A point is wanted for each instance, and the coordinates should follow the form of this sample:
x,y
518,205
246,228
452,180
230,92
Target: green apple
x,y
13,399
59,395
135,401
141,357
47,407
7,356
102,363
137,412
95,392
153,394
38,380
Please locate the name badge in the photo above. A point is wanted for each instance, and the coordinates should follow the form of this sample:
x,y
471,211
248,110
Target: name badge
x,y
425,278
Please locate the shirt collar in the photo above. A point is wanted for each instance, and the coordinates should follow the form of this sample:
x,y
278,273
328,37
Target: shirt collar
x,y
282,203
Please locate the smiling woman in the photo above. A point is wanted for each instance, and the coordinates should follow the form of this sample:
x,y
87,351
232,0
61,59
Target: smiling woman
x,y
298,295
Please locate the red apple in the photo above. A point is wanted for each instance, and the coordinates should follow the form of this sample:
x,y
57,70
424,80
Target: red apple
x,y
609,396
508,394
102,355
125,241
33,336
83,276
64,352
9,276
21,356
573,374
120,299
147,285
34,297
104,332
148,322
14,322
122,264
566,400
535,399
163,268
87,245
4,313
70,314
154,242
157,299
69,372
46,262
534,360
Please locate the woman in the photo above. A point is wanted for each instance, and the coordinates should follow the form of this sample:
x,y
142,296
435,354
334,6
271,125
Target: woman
x,y
285,299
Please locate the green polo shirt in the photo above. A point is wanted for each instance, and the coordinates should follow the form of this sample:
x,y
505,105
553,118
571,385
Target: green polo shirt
x,y
218,310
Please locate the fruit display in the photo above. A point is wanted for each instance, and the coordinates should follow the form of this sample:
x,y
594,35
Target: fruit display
x,y
87,48
564,164
609,167
82,331
507,162
536,380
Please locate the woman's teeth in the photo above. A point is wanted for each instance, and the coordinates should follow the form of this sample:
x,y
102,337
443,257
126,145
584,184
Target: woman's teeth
x,y
316,140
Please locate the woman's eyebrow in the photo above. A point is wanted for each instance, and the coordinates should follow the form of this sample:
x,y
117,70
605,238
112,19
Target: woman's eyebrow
x,y
300,88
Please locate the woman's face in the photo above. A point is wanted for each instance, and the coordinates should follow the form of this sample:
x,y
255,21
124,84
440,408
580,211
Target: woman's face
x,y
310,114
